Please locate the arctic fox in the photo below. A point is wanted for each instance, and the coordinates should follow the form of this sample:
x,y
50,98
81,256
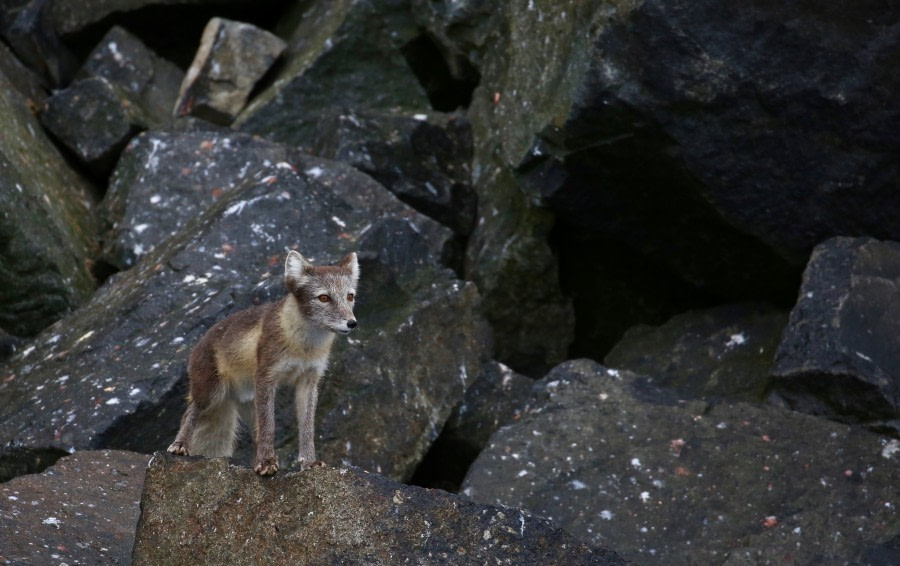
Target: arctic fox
x,y
247,355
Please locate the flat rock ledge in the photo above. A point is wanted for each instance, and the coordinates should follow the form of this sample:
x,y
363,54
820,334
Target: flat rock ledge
x,y
218,513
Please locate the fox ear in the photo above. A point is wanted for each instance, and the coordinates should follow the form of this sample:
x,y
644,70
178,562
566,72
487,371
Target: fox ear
x,y
294,267
352,264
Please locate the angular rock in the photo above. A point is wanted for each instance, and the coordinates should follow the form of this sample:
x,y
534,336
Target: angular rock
x,y
95,119
619,462
840,355
83,510
782,121
724,352
123,60
342,54
113,374
231,58
28,83
47,224
27,26
422,158
462,30
163,180
334,516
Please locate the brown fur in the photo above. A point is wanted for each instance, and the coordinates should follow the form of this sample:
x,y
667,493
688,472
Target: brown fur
x,y
251,352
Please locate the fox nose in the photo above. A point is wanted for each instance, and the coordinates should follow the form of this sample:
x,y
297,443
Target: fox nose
x,y
351,324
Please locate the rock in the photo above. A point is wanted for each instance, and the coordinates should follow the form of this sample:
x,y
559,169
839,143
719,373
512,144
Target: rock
x,y
332,516
47,224
422,158
123,60
724,352
462,31
840,355
117,365
27,26
163,180
8,345
231,58
617,461
83,510
782,121
342,54
71,17
493,400
29,84
95,119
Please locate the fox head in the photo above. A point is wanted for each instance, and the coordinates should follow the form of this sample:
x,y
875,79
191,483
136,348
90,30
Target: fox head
x,y
326,294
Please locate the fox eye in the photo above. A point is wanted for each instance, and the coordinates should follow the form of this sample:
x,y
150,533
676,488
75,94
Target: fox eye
x,y
324,298
350,297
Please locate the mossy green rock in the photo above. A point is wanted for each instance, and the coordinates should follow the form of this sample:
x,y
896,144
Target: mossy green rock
x,y
47,225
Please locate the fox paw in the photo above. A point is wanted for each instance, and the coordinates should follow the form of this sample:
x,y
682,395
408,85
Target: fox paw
x,y
266,466
178,448
314,464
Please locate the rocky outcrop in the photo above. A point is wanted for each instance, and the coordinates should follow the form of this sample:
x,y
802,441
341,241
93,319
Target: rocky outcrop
x,y
840,356
327,515
617,461
83,510
723,352
99,377
47,224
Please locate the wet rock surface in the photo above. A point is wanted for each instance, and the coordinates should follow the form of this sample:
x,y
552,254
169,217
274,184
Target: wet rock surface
x,y
83,510
840,356
328,515
617,461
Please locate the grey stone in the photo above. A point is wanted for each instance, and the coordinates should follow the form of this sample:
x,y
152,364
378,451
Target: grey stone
x,y
722,352
47,224
231,58
83,510
122,59
29,84
165,179
619,462
840,355
95,119
332,516
27,26
343,54
117,364
423,158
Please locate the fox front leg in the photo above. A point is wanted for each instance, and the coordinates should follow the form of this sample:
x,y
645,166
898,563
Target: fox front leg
x,y
306,397
266,463
182,442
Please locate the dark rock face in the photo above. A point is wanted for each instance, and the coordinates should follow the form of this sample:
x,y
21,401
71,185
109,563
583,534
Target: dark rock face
x,y
27,26
125,61
231,58
840,356
341,54
83,510
95,119
47,224
779,117
422,158
616,461
333,516
99,378
724,352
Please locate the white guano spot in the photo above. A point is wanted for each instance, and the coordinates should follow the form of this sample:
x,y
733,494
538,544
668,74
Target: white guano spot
x,y
338,221
52,521
576,484
314,172
736,340
113,401
606,515
636,463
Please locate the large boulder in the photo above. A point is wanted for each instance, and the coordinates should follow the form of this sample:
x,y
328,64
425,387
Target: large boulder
x,y
101,376
340,54
47,224
840,354
83,510
722,352
617,461
225,514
